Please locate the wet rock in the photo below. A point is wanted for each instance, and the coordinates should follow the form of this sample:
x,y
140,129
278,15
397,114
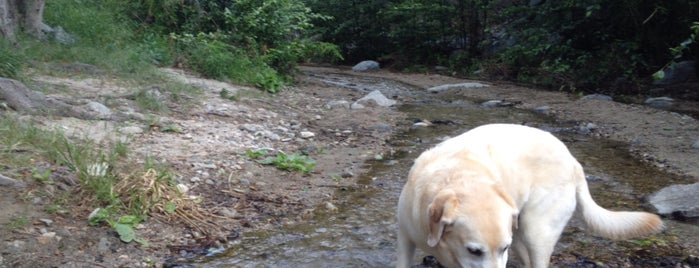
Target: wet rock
x,y
678,200
659,102
376,97
597,97
460,85
366,65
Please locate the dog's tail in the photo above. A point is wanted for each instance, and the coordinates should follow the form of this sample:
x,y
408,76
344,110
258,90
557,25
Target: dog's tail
x,y
613,224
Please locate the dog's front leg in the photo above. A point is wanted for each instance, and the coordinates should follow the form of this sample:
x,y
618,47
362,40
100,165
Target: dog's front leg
x,y
406,250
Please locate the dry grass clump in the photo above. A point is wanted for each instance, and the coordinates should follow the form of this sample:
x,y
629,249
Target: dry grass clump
x,y
154,194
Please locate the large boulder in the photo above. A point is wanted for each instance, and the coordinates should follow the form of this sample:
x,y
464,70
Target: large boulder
x,y
375,97
678,72
366,65
678,200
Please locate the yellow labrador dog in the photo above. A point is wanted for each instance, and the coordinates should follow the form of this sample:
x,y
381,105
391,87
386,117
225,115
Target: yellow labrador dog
x,y
471,197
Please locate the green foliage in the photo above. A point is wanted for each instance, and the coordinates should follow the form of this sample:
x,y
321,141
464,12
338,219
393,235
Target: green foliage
x,y
18,222
679,50
225,94
270,22
254,154
104,36
283,161
10,62
123,225
212,56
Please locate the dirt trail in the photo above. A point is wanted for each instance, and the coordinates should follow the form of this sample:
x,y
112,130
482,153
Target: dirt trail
x,y
207,151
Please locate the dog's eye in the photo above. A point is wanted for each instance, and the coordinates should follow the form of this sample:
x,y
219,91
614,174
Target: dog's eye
x,y
475,251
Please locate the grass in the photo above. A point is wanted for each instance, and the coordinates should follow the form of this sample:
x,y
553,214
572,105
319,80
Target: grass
x,y
122,200
283,161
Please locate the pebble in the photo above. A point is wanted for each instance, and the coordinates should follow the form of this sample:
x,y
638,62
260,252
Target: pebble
x,y
103,245
542,109
228,212
48,222
597,97
696,145
307,134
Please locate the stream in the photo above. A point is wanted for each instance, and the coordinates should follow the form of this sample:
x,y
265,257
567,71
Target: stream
x,y
362,232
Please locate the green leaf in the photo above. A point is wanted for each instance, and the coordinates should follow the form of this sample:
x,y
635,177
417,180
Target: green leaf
x,y
170,207
129,219
97,216
659,75
125,231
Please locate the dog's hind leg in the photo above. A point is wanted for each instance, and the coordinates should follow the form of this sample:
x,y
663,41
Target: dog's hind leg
x,y
406,250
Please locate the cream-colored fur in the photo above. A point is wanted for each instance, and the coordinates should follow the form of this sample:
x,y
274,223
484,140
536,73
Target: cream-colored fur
x,y
470,198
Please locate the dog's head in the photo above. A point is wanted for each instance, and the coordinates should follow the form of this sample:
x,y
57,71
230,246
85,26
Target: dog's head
x,y
472,229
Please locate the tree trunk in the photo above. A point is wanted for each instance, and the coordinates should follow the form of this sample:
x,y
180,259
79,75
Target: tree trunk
x,y
32,13
8,19
26,14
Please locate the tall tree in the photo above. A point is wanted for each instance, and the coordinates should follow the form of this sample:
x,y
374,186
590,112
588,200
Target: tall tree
x,y
21,14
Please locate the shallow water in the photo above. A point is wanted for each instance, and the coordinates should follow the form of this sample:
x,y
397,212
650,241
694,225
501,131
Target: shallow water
x,y
362,232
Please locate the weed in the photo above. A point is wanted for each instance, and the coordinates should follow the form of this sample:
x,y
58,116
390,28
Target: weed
x,y
225,94
282,160
149,100
42,176
335,177
293,161
170,128
255,154
18,222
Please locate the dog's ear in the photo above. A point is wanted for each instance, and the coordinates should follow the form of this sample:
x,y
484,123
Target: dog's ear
x,y
442,212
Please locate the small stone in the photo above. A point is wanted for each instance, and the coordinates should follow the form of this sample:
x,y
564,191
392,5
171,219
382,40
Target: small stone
x,y
103,245
597,97
541,109
48,222
183,189
696,145
307,134
131,130
195,179
330,207
252,127
228,212
491,103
